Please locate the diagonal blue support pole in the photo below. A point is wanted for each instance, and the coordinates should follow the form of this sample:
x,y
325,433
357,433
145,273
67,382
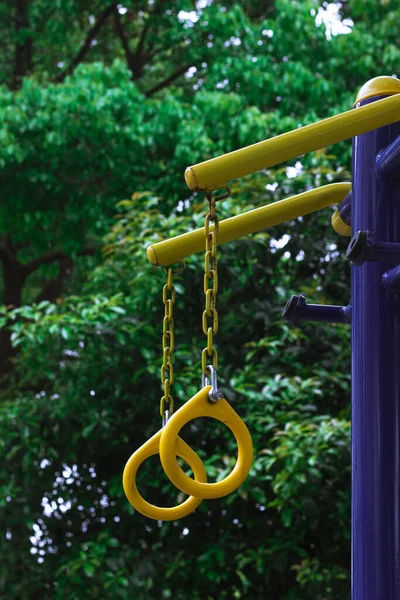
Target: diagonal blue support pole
x,y
375,372
388,162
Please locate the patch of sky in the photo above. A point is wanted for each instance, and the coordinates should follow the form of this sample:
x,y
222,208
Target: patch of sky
x,y
333,252
190,72
278,244
292,172
329,15
221,84
189,17
233,41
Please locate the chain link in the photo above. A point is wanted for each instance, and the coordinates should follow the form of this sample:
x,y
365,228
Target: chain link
x,y
210,314
168,344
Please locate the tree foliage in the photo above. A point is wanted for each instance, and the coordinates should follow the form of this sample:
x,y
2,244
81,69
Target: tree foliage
x,y
102,107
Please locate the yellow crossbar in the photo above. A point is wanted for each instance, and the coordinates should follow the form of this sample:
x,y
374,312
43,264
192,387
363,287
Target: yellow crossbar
x,y
175,249
217,172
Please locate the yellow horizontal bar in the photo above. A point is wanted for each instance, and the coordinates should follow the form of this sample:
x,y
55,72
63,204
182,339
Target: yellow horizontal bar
x,y
217,172
175,249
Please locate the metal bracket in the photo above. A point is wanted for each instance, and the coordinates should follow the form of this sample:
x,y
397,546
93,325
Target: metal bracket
x,y
364,248
297,310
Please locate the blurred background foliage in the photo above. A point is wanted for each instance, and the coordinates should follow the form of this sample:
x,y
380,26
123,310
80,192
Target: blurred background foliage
x,y
102,107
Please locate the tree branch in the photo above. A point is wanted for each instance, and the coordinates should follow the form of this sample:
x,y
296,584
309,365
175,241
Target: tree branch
x,y
85,47
130,59
136,60
6,255
52,288
23,50
140,44
49,257
166,82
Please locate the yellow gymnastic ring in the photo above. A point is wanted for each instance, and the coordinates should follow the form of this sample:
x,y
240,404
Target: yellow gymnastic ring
x,y
159,513
200,406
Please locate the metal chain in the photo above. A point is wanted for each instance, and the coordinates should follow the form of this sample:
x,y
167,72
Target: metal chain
x,y
210,314
168,343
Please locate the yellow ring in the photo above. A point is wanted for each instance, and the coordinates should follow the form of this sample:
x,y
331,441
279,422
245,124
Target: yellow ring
x,y
148,449
200,406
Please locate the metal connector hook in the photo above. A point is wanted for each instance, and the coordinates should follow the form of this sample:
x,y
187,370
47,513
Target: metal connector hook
x,y
215,393
165,418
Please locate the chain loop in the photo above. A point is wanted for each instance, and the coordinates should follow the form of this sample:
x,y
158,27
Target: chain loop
x,y
210,314
168,344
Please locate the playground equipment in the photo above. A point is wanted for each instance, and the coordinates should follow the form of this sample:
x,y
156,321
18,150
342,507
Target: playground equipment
x,y
208,402
370,207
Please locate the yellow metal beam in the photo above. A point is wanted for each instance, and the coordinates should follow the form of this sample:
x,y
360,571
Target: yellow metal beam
x,y
175,249
217,172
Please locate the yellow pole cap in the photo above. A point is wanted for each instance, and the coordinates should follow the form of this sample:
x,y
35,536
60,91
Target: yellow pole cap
x,y
152,256
378,86
191,180
339,225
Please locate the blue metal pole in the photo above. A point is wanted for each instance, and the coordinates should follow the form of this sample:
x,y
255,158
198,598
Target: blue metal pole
x,y
375,374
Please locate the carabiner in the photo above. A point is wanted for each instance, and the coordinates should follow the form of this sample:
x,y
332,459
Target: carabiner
x,y
215,393
200,406
148,449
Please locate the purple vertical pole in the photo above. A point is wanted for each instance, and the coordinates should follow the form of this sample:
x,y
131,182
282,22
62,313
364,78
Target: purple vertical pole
x,y
375,372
